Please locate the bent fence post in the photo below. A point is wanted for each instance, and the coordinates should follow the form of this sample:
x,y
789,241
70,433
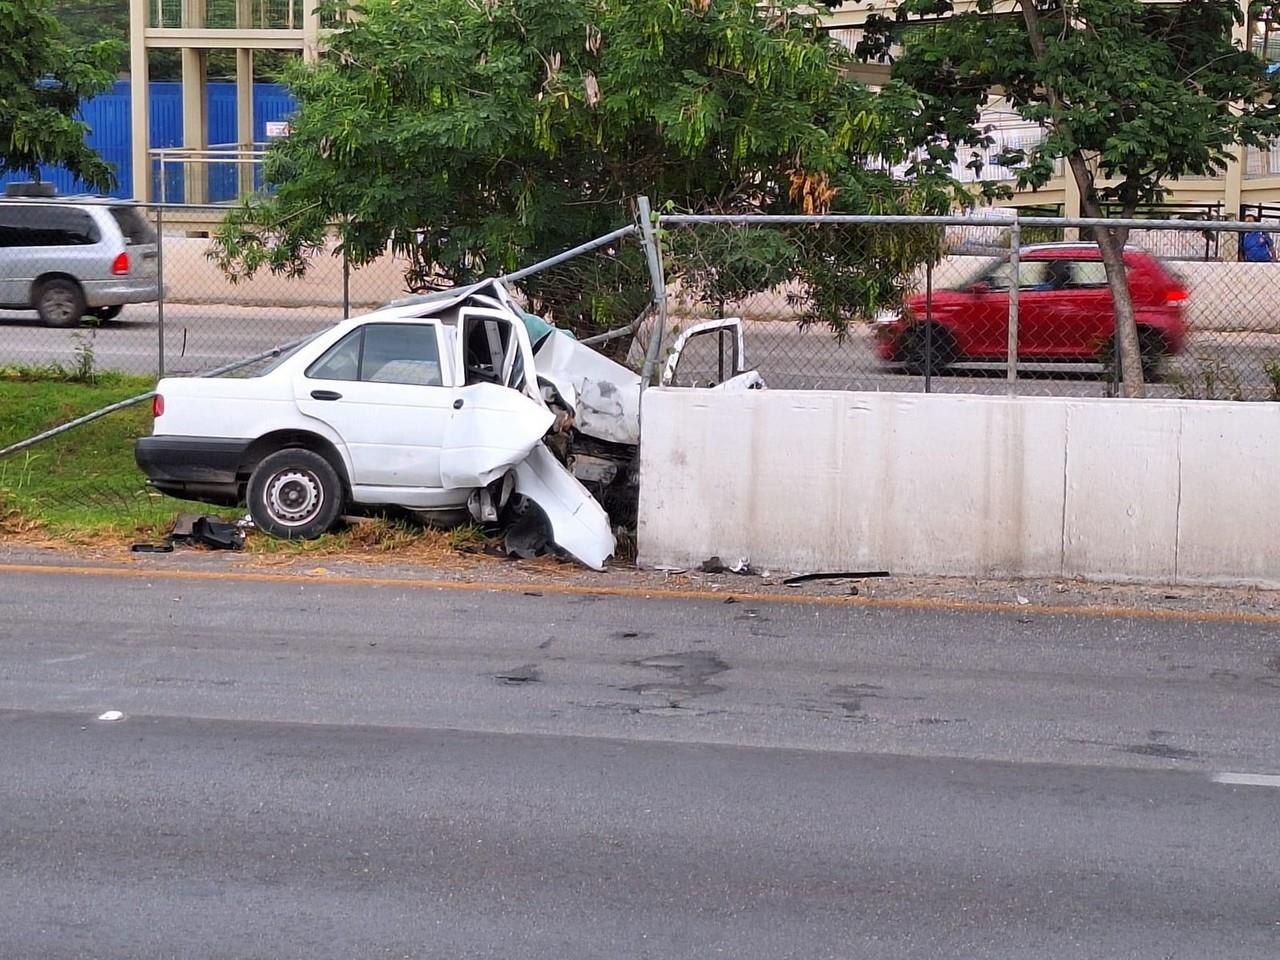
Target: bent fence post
x,y
654,255
140,398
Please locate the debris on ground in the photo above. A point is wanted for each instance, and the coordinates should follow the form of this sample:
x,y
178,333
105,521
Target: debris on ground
x,y
844,575
192,529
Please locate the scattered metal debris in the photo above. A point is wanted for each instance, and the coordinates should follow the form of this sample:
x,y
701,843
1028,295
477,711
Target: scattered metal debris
x,y
845,575
520,675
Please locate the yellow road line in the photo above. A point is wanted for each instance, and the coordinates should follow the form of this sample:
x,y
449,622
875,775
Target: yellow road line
x,y
647,593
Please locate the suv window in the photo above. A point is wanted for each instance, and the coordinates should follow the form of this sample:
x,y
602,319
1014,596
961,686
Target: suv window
x,y
40,225
132,224
383,353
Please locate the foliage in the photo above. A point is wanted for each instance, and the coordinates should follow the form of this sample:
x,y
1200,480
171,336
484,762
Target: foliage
x,y
44,78
476,138
1130,94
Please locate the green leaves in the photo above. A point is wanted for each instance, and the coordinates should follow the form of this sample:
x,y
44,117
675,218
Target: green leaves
x,y
476,137
1147,92
42,82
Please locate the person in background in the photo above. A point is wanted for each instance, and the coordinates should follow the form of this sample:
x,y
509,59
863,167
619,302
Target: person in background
x,y
1256,246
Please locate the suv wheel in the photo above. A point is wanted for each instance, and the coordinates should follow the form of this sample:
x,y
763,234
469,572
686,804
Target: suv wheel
x,y
60,303
295,494
105,313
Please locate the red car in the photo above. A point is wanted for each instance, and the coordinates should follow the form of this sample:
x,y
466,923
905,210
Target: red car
x,y
1064,312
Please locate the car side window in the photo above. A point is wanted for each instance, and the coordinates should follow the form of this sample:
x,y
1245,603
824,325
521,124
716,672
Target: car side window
x,y
37,225
1088,273
1031,274
492,353
405,353
401,353
707,359
341,361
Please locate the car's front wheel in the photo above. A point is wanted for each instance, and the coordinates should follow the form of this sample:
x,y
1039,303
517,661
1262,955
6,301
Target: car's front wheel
x,y
295,494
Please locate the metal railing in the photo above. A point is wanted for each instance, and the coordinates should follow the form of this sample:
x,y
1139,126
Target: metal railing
x,y
219,173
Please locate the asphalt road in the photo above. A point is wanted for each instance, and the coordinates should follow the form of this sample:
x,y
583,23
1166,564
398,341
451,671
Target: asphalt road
x,y
317,769
202,337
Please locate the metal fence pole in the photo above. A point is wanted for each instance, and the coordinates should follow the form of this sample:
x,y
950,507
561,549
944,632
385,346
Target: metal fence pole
x,y
160,289
1015,263
346,283
928,327
653,254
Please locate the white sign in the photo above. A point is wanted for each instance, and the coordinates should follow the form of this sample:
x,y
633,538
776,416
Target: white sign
x,y
277,128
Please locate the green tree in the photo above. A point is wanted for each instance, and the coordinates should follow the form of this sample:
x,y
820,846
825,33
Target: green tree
x,y
477,137
44,79
1131,95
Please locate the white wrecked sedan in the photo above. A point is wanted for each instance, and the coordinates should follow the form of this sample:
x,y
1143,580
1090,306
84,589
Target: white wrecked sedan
x,y
441,406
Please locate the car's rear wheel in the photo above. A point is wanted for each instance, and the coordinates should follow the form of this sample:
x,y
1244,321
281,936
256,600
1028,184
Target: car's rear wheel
x,y
106,313
60,303
1152,347
928,348
295,494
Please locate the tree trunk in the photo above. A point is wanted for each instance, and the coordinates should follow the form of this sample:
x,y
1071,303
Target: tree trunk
x,y
1110,240
1130,348
1111,243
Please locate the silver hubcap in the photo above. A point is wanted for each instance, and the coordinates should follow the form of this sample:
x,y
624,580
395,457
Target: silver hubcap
x,y
294,497
58,304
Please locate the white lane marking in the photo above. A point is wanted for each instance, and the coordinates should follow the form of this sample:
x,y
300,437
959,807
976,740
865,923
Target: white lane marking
x,y
74,656
1248,779
111,716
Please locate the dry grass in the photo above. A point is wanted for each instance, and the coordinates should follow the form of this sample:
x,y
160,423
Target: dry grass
x,y
370,540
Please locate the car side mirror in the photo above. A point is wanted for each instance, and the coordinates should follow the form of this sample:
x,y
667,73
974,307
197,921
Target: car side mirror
x,y
980,287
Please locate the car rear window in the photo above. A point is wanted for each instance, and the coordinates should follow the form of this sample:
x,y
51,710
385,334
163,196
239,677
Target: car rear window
x,y
133,224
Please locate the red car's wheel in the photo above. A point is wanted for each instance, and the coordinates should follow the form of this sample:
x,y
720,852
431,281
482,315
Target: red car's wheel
x,y
926,349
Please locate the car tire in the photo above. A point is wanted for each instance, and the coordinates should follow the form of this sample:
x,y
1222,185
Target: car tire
x,y
60,303
295,494
1153,348
103,314
914,355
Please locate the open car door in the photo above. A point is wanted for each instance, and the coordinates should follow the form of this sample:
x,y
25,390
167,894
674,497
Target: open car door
x,y
496,420
711,355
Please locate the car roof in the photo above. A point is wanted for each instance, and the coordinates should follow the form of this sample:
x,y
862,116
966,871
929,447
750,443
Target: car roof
x,y
77,199
1074,247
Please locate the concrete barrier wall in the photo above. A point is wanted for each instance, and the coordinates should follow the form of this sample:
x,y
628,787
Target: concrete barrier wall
x,y
969,486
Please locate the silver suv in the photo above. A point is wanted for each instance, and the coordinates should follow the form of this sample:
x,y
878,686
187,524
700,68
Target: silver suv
x,y
71,257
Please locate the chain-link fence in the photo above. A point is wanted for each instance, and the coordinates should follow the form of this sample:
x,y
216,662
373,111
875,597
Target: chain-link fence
x,y
980,309
183,315
846,303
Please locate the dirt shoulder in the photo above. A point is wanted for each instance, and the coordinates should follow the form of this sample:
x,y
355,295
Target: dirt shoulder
x,y
480,572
